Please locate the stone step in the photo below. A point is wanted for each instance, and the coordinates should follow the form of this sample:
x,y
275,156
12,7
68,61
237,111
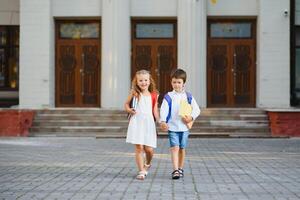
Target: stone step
x,y
223,134
81,117
217,111
202,122
230,122
76,129
80,111
93,117
113,123
233,117
37,123
206,111
87,129
160,134
230,129
80,134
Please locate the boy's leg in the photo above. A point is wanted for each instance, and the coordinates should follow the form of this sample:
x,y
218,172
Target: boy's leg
x,y
181,158
183,143
174,157
174,148
149,155
139,158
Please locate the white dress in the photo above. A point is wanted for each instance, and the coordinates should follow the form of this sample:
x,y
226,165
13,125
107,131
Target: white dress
x,y
141,128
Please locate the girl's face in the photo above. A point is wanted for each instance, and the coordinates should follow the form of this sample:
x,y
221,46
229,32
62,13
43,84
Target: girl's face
x,y
177,84
143,81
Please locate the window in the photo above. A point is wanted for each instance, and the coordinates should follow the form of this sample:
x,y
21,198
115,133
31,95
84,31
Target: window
x,y
154,30
9,57
230,30
79,30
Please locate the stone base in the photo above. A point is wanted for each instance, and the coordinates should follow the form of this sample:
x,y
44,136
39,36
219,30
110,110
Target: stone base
x,y
15,122
284,123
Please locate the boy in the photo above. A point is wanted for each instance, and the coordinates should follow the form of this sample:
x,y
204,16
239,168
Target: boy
x,y
176,125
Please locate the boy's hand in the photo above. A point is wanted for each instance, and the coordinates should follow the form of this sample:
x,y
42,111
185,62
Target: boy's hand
x,y
164,126
187,119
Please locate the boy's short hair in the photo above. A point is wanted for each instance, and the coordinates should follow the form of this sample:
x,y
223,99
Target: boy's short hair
x,y
179,74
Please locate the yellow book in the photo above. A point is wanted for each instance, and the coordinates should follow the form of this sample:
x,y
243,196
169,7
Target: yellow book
x,y
185,109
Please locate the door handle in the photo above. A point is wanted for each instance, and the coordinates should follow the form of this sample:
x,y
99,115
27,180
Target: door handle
x,y
82,73
234,74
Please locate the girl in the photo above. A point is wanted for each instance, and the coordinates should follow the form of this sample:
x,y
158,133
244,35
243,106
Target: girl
x,y
141,129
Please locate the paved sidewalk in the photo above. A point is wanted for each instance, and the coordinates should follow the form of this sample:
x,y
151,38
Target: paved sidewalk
x,y
87,168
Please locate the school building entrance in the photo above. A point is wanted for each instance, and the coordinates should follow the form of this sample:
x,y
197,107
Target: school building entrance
x,y
154,48
231,63
77,61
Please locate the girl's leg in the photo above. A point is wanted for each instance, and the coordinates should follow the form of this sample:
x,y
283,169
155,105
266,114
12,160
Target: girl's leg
x,y
181,158
149,154
174,156
139,158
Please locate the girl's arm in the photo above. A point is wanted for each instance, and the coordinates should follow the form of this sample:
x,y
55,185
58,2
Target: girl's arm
x,y
127,104
155,111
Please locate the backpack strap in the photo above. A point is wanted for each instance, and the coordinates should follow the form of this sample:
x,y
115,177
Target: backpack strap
x,y
169,101
189,97
154,100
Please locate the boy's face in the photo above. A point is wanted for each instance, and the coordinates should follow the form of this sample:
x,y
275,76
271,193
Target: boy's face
x,y
177,84
143,81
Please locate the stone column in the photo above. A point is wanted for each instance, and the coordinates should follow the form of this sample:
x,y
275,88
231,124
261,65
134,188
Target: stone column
x,y
115,75
192,46
273,55
36,54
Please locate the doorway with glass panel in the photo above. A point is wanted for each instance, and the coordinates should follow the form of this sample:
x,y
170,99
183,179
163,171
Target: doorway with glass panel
x,y
231,63
9,65
154,48
77,82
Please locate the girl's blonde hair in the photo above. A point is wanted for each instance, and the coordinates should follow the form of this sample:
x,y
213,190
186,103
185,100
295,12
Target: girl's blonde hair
x,y
136,89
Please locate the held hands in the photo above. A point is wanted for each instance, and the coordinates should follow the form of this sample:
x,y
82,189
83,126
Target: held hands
x,y
164,126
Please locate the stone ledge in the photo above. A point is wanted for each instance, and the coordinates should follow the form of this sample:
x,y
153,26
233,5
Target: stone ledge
x,y
284,110
15,122
284,123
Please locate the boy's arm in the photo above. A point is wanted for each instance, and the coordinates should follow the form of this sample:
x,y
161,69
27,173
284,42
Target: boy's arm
x,y
164,110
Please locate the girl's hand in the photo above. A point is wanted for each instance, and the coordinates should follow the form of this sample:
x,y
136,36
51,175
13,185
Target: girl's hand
x,y
131,111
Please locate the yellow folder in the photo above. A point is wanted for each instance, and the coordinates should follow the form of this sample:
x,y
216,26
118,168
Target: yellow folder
x,y
185,108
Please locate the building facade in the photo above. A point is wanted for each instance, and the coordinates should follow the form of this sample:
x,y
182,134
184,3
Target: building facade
x,y
76,53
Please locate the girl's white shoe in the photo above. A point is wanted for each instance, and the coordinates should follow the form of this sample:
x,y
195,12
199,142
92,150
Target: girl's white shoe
x,y
142,175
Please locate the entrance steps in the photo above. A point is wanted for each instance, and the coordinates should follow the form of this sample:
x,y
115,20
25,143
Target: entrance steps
x,y
213,122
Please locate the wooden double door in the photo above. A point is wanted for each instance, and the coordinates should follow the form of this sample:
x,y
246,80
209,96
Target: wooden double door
x,y
154,48
78,64
231,64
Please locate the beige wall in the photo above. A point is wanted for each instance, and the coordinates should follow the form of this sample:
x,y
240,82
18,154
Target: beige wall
x,y
232,7
73,8
9,12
